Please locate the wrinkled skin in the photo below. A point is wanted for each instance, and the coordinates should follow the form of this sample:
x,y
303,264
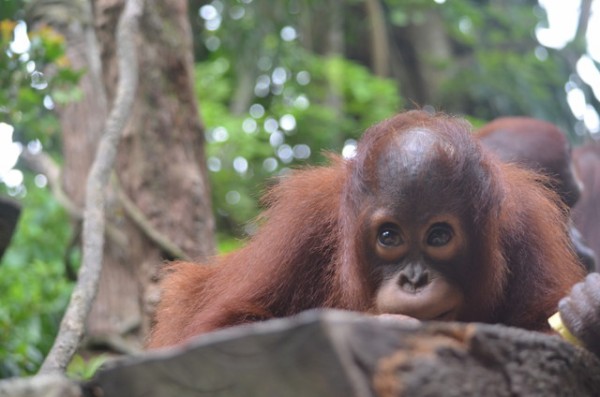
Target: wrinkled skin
x,y
580,312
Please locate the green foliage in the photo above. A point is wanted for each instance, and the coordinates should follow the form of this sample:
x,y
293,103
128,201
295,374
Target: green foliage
x,y
33,287
27,99
300,104
507,71
81,369
262,139
531,91
11,8
32,275
404,12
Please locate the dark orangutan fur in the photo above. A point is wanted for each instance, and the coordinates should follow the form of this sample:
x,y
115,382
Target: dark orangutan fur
x,y
580,310
586,213
543,147
538,145
313,249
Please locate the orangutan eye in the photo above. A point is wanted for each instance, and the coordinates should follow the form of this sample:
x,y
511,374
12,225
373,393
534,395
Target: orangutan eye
x,y
439,235
389,237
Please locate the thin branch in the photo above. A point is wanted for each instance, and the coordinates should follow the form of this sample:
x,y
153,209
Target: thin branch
x,y
144,224
585,12
73,323
380,44
44,164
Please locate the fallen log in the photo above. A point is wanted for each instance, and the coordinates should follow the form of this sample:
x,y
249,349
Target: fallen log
x,y
332,353
335,353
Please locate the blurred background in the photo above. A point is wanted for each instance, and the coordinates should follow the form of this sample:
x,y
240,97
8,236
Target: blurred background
x,y
234,93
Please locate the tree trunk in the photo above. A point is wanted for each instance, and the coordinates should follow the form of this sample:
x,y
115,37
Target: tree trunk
x,y
160,166
422,48
380,46
335,48
432,46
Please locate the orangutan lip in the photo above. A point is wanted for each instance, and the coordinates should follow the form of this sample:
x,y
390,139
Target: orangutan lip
x,y
445,316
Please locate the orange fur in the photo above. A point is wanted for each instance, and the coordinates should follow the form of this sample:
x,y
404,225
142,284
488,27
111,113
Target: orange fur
x,y
306,254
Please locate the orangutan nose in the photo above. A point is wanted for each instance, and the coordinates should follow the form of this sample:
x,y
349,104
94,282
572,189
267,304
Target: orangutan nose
x,y
413,278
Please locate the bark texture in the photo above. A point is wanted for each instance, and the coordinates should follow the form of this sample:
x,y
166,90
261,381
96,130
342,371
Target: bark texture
x,y
332,353
160,166
346,354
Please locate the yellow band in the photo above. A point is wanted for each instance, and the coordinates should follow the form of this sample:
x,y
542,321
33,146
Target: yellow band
x,y
556,324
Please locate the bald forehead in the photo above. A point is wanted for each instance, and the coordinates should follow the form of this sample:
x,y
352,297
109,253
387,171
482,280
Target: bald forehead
x,y
413,170
412,153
